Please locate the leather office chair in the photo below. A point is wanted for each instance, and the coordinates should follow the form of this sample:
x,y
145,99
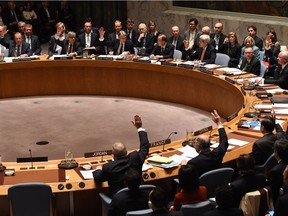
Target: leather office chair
x,y
144,212
177,54
214,178
106,200
196,208
269,164
222,59
30,199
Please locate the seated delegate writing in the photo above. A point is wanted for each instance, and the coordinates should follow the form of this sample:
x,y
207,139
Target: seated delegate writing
x,y
71,47
163,50
122,45
209,159
114,171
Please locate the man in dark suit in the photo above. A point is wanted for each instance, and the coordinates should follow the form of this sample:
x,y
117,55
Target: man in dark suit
x,y
208,160
11,17
131,200
19,48
177,40
114,35
275,175
250,63
131,33
122,45
163,50
93,42
206,52
71,47
191,36
114,171
218,36
32,40
145,39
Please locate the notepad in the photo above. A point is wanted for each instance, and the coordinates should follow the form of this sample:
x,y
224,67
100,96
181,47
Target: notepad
x,y
87,174
237,142
215,145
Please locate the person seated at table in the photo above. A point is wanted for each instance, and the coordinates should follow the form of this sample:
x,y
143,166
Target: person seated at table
x,y
218,35
114,35
224,199
57,40
177,40
250,63
18,47
209,159
122,45
114,171
163,50
132,34
152,29
145,39
247,179
275,177
32,40
232,48
130,200
190,191
206,52
252,31
249,42
71,47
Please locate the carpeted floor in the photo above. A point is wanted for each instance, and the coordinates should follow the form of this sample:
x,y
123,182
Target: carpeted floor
x,y
83,124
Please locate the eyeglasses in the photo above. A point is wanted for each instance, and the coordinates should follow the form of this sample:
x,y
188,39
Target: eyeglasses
x,y
248,52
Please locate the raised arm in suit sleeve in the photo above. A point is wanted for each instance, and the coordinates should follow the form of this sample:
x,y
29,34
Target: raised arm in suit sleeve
x,y
223,144
144,145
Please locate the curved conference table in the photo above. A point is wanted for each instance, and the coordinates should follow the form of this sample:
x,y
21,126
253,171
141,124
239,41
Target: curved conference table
x,y
114,78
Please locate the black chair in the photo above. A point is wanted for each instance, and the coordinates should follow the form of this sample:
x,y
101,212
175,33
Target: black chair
x,y
144,212
197,209
269,164
30,199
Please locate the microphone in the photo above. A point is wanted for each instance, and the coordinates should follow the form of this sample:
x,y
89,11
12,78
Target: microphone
x,y
32,167
168,140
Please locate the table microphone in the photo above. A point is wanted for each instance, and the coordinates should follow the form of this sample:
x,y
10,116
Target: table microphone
x,y
32,167
168,140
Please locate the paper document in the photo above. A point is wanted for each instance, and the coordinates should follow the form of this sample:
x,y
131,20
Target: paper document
x,y
215,145
87,174
237,142
188,151
275,91
146,167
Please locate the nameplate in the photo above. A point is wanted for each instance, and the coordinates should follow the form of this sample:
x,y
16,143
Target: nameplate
x,y
63,57
31,159
168,63
143,61
160,142
21,59
234,115
97,153
243,91
203,130
104,58
229,80
204,70
186,66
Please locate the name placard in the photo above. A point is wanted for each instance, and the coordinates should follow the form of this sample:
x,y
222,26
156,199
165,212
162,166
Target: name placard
x,y
63,57
143,61
21,59
229,80
203,130
97,153
160,142
186,66
168,63
234,115
104,58
204,70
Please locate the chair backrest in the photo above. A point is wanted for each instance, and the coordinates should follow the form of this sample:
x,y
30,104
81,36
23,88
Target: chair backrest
x,y
29,199
135,51
196,208
269,164
222,59
214,178
262,69
144,212
261,53
256,202
177,54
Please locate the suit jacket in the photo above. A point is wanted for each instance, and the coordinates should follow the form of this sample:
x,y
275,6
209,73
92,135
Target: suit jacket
x,y
233,52
25,49
35,44
111,40
256,53
209,56
53,42
258,42
280,79
42,16
208,160
149,43
252,67
128,46
247,183
221,40
76,48
8,19
168,51
281,207
134,36
114,171
128,201
179,45
224,212
186,36
95,41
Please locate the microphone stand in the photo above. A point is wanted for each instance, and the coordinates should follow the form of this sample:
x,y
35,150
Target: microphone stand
x,y
167,141
32,166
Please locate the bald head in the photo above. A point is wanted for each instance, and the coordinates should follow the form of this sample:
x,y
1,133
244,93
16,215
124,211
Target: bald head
x,y
202,142
175,31
206,30
218,27
119,150
142,28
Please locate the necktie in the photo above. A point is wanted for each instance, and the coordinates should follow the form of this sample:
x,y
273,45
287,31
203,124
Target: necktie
x,y
162,50
18,50
69,49
174,43
216,38
202,54
14,15
29,41
191,39
88,41
121,49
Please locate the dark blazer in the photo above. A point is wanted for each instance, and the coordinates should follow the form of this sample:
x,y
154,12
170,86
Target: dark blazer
x,y
233,52
35,44
25,49
8,19
149,43
111,40
247,183
280,79
263,148
258,42
252,67
275,178
168,51
127,47
99,45
42,15
209,56
134,36
208,160
53,42
114,171
225,212
5,41
281,207
77,48
221,40
128,201
179,45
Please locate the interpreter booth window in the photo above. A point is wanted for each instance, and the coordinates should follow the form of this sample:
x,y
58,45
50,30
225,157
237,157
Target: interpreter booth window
x,y
271,8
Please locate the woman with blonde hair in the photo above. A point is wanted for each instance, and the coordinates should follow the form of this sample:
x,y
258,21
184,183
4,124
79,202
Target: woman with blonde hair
x,y
249,42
